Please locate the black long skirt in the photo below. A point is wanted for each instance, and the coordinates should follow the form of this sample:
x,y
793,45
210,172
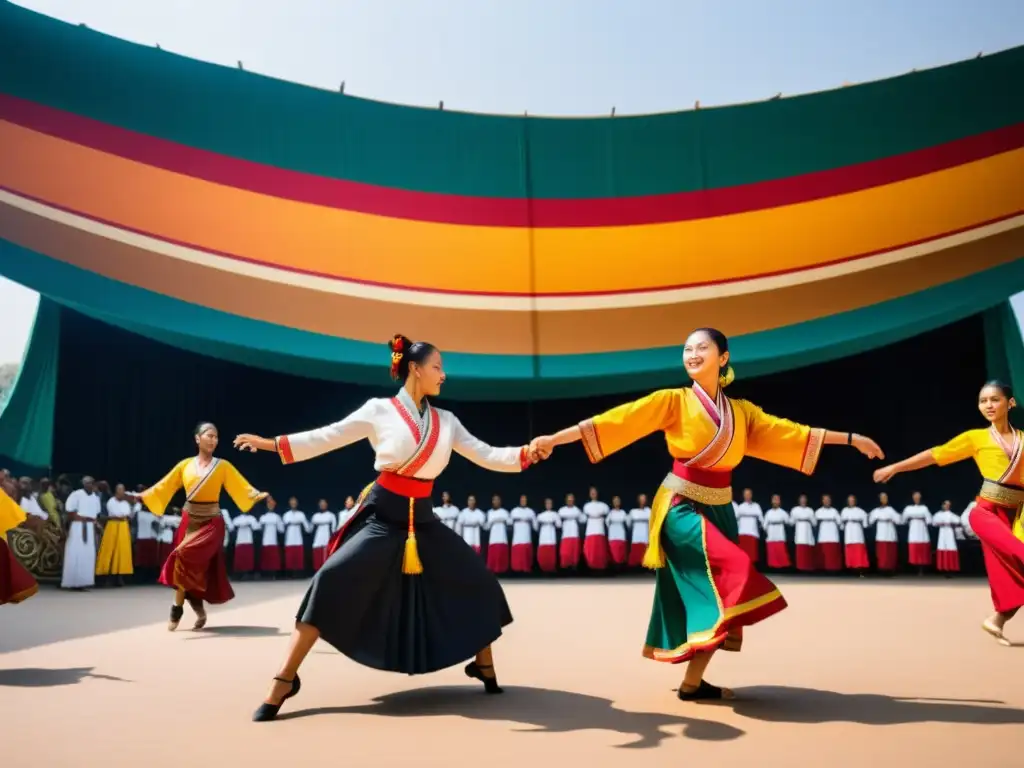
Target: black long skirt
x,y
369,610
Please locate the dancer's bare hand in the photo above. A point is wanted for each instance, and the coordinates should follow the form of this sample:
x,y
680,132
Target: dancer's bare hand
x,y
885,474
868,447
253,443
542,446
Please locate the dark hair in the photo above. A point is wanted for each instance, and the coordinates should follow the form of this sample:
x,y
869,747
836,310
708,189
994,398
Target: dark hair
x,y
1006,389
202,426
720,340
404,351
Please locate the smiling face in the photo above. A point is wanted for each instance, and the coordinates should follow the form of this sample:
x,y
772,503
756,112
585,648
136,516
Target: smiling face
x,y
701,357
429,374
207,439
993,404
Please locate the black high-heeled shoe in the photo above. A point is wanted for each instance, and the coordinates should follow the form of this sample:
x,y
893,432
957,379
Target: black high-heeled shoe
x,y
177,611
267,712
704,692
475,671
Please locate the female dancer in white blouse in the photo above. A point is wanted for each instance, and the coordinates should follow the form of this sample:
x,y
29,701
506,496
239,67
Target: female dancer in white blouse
x,y
400,591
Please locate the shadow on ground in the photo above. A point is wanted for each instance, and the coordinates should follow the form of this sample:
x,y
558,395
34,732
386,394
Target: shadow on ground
x,y
543,710
34,677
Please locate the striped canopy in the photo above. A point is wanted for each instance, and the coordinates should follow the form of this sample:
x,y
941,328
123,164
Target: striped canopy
x,y
295,228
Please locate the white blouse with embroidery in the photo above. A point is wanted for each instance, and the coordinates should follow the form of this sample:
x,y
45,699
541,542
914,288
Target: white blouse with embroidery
x,y
395,428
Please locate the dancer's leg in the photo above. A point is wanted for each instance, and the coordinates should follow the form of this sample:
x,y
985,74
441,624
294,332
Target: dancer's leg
x,y
485,661
303,638
482,669
694,685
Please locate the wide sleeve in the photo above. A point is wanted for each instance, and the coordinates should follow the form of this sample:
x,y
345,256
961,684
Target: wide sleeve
x,y
357,426
157,497
781,441
508,459
239,489
959,448
73,501
623,425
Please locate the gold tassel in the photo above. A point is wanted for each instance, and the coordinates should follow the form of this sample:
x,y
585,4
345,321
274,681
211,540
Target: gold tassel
x,y
411,563
654,557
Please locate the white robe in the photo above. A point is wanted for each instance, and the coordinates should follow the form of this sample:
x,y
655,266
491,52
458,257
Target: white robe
x,y
524,523
295,523
447,514
168,524
965,521
30,505
324,523
145,523
640,525
618,522
855,520
828,525
245,524
749,519
571,519
803,521
497,525
229,526
548,522
80,549
344,516
775,522
885,520
919,518
468,525
595,513
272,526
946,521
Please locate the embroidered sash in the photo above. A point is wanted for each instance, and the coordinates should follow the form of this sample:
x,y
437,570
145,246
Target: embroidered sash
x,y
426,438
190,493
1014,453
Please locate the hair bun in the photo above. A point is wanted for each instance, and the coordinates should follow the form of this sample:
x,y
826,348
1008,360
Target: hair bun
x,y
727,378
399,343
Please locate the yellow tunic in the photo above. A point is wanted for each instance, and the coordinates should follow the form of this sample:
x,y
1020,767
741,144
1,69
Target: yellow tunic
x,y
689,429
205,485
992,461
11,515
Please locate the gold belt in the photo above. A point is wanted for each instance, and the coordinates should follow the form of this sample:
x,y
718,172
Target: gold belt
x,y
702,494
1001,494
202,511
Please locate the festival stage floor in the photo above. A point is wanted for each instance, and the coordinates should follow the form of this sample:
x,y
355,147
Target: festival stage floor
x,y
854,673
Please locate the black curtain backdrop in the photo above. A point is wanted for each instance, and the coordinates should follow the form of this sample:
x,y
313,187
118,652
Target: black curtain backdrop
x,y
126,407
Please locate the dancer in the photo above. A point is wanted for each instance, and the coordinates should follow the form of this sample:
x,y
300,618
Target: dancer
x,y
524,525
549,523
496,526
401,592
829,520
115,556
885,519
468,525
639,531
83,508
707,589
999,454
272,528
776,547
569,547
147,556
802,518
917,518
325,525
947,554
16,583
749,521
447,513
855,550
618,532
196,568
295,525
595,537
244,560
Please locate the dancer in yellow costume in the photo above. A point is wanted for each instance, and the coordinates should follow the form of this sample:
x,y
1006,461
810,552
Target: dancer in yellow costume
x,y
16,583
706,588
115,555
196,568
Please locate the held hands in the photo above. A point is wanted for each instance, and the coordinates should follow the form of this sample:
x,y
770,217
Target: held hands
x,y
253,443
885,474
868,447
540,448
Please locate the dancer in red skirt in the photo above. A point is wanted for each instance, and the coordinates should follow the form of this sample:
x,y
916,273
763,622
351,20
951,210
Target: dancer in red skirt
x,y
885,519
296,524
639,531
776,521
496,526
855,549
524,525
272,528
569,548
324,523
947,553
917,518
147,547
196,568
750,521
16,583
548,522
830,551
618,536
803,520
244,561
595,535
999,454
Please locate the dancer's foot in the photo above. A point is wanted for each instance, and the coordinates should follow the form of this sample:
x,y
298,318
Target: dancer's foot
x,y
486,675
177,611
994,629
704,692
280,692
200,612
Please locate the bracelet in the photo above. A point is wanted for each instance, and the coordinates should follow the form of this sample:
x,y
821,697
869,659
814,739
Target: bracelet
x,y
849,438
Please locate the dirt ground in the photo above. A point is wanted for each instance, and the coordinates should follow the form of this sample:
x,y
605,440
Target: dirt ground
x,y
854,673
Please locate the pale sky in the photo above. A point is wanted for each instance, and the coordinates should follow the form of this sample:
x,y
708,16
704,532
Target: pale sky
x,y
565,57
